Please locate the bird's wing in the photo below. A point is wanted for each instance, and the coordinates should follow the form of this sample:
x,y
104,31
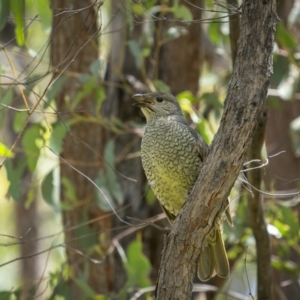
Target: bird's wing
x,y
202,147
200,144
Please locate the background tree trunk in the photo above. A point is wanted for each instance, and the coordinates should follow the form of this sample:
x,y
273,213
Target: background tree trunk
x,y
74,47
180,70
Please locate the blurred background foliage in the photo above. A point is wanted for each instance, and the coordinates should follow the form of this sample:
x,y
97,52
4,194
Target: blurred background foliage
x,y
69,144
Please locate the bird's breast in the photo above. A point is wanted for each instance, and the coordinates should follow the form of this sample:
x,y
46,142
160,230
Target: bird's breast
x,y
171,162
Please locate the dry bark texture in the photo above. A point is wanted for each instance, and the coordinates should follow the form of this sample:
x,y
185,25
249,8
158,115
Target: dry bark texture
x,y
243,109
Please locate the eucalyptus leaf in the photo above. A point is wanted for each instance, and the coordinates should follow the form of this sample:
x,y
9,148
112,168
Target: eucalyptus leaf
x,y
285,37
17,8
48,191
54,89
45,13
5,151
14,174
161,86
182,12
59,131
138,266
29,142
87,290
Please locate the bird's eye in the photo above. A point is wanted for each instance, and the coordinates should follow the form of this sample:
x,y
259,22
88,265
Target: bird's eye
x,y
159,99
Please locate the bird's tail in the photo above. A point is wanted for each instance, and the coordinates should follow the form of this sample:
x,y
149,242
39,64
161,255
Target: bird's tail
x,y
213,259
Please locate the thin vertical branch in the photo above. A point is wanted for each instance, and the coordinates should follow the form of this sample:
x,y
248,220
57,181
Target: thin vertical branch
x,y
256,216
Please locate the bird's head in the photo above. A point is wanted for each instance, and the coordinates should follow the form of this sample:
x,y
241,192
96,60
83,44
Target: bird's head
x,y
157,105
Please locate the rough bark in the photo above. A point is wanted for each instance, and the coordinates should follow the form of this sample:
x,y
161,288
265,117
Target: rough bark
x,y
256,215
243,108
256,211
74,47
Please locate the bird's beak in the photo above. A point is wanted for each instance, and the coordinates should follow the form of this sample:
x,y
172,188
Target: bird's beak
x,y
142,100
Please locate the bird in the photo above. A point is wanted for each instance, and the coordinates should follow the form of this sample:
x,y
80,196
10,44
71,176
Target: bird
x,y
172,156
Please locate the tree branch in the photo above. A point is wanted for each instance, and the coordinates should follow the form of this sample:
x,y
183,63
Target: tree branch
x,y
243,108
256,216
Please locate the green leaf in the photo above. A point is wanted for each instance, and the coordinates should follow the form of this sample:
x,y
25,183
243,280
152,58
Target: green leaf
x,y
212,99
59,131
148,4
205,132
88,291
214,33
69,191
45,13
3,294
6,99
14,174
138,266
4,151
182,12
186,95
87,89
137,9
284,37
54,89
86,236
30,138
4,12
17,8
19,120
281,69
186,106
161,86
100,96
48,191
291,221
150,197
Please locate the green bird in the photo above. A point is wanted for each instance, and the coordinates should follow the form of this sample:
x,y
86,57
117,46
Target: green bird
x,y
172,157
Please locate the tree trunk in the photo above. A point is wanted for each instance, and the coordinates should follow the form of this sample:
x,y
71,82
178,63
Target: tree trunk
x,y
243,108
74,47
